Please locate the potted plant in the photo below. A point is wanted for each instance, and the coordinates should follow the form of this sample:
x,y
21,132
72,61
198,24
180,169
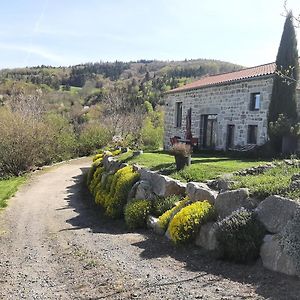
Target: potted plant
x,y
182,154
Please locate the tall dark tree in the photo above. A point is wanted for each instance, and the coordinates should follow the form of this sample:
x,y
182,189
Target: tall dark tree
x,y
283,100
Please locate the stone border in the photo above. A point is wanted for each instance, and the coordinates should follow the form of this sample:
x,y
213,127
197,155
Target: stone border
x,y
274,212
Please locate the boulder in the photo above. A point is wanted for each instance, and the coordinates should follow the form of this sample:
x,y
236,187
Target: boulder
x,y
107,162
275,211
103,177
144,190
152,223
273,257
145,174
137,153
200,191
132,192
230,201
163,186
206,238
136,167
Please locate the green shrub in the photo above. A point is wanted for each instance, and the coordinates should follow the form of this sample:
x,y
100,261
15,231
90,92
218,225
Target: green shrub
x,y
152,131
186,223
92,136
136,213
165,218
161,205
290,239
240,236
61,140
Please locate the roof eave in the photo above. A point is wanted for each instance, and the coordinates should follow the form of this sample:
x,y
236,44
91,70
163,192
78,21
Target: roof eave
x,y
219,84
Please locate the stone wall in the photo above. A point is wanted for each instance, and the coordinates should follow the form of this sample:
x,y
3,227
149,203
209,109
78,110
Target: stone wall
x,y
231,104
280,216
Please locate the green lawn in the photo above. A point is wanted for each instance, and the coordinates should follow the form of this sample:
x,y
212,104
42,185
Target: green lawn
x,y
203,167
8,187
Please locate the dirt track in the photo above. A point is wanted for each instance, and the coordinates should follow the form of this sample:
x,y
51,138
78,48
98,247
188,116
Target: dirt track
x,y
55,245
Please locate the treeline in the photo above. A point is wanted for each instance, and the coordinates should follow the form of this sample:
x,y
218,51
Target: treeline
x,y
78,75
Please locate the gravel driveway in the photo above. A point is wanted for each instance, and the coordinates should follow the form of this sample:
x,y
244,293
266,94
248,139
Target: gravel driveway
x,y
55,245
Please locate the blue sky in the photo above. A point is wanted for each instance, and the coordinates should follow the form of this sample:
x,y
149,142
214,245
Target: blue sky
x,y
65,32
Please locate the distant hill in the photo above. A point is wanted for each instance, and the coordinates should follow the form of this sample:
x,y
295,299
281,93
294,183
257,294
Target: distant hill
x,y
141,80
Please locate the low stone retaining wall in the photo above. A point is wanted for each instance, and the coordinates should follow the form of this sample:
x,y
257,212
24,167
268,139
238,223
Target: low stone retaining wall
x,y
280,216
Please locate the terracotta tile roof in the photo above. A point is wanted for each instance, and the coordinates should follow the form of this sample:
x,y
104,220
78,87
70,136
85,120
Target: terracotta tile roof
x,y
262,70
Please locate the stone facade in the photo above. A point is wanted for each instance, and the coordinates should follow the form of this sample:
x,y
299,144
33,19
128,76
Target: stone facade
x,y
229,104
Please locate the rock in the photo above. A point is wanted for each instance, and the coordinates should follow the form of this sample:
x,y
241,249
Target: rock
x,y
223,184
152,223
206,238
163,186
144,191
275,211
229,201
145,174
136,167
103,177
132,192
137,153
107,160
200,191
273,257
110,164
123,165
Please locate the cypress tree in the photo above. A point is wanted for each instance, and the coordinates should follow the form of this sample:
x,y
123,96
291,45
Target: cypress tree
x,y
283,99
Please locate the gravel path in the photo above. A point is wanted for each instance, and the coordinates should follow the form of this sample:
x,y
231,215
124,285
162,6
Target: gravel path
x,y
55,245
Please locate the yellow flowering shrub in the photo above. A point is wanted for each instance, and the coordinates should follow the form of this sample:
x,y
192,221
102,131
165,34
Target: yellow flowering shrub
x,y
187,222
97,156
96,180
121,184
116,152
96,163
164,219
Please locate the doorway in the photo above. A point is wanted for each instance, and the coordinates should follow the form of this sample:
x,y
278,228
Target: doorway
x,y
230,137
208,130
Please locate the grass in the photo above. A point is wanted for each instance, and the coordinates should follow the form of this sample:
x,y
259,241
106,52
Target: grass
x,y
8,188
272,182
203,167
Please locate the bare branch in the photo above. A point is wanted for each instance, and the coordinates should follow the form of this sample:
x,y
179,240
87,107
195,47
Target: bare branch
x,y
287,11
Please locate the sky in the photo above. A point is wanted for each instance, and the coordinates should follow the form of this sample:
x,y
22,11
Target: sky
x,y
69,32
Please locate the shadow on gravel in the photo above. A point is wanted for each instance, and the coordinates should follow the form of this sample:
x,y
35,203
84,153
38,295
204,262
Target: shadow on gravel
x,y
268,284
89,215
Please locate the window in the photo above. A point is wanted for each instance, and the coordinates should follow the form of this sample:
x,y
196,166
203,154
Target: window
x,y
178,114
255,101
252,134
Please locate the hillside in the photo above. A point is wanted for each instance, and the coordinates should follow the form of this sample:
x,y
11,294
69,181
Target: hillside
x,y
139,81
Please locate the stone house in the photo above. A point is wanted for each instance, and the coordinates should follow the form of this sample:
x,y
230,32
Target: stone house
x,y
225,111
